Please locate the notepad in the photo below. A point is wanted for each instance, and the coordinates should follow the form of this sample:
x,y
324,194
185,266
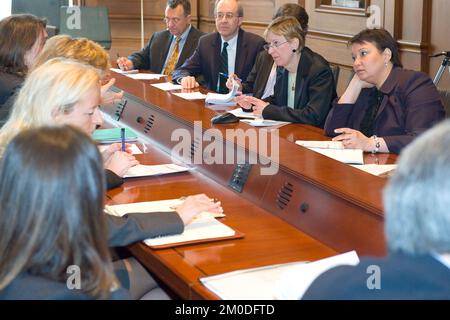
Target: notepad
x,y
223,99
113,135
153,170
204,228
167,86
238,112
287,281
377,169
351,156
191,95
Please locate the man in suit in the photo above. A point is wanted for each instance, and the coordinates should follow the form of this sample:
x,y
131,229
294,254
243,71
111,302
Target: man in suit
x,y
229,50
417,224
167,49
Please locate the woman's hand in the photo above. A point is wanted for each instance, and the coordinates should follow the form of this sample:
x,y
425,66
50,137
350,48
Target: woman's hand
x,y
193,205
354,139
248,102
119,162
353,90
109,97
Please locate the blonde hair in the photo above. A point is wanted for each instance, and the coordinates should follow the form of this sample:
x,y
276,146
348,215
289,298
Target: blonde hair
x,y
288,27
81,49
54,87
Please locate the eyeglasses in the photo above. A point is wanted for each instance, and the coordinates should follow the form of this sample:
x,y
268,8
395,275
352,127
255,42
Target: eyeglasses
x,y
274,44
174,20
226,15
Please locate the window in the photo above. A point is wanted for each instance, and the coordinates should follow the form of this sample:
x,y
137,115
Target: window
x,y
351,7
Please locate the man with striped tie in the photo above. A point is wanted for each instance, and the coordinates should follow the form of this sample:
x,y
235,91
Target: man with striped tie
x,y
169,48
218,54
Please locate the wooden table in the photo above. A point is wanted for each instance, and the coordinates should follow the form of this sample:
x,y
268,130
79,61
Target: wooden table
x,y
312,208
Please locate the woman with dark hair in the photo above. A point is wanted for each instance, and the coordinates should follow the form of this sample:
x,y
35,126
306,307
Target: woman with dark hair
x,y
384,106
21,39
304,87
52,218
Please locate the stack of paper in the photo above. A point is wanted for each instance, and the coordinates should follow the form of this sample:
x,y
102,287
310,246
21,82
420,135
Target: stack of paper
x,y
334,150
223,99
145,170
203,228
113,135
283,281
167,86
191,95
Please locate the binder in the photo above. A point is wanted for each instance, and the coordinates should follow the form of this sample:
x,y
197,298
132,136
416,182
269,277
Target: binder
x,y
113,135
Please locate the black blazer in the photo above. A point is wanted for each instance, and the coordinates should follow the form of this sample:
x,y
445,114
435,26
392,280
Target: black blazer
x,y
402,277
206,58
314,92
257,79
154,55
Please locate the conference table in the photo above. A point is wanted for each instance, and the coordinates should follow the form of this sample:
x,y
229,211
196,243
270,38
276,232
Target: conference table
x,y
291,203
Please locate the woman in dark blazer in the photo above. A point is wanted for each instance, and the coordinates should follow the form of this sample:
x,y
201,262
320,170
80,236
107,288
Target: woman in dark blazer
x,y
385,106
304,86
48,233
21,39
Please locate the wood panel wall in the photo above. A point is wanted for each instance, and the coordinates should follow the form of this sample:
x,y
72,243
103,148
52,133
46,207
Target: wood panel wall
x,y
421,27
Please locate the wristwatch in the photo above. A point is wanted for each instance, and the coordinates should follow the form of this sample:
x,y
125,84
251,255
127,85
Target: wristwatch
x,y
377,144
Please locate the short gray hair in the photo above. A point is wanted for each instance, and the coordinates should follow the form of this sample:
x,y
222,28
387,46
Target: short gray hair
x,y
417,199
240,11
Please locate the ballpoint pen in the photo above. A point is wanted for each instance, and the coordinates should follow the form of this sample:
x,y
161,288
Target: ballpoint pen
x,y
122,137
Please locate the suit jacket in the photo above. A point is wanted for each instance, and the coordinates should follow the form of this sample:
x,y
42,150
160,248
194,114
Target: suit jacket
x,y
206,59
134,227
314,92
154,55
257,78
401,277
9,86
30,287
411,105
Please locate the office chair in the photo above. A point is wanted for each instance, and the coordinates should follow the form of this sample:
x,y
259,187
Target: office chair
x,y
41,8
445,97
94,24
335,69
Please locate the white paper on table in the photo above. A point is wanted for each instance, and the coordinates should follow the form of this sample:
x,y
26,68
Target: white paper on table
x,y
167,86
376,169
238,112
134,148
264,123
145,76
191,95
223,99
125,72
350,156
141,170
272,282
294,282
320,144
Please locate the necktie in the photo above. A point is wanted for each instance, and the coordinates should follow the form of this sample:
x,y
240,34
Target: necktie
x,y
223,69
170,65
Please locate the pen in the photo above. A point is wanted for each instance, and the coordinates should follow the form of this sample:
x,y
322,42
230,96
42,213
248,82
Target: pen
x,y
122,137
226,76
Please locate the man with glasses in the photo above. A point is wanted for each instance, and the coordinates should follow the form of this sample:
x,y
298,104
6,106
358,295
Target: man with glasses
x,y
230,50
167,49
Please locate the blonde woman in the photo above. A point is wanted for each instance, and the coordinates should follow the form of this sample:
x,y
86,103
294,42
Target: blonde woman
x,y
64,91
304,87
84,50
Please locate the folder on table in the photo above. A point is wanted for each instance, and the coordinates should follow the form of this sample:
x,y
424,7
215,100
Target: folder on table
x,y
204,228
113,135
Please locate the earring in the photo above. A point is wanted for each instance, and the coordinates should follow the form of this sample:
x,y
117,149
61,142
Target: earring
x,y
294,50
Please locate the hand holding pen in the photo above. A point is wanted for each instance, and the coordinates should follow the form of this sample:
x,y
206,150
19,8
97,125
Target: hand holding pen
x,y
124,64
232,77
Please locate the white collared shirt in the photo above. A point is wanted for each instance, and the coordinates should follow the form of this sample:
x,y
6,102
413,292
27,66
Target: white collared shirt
x,y
231,50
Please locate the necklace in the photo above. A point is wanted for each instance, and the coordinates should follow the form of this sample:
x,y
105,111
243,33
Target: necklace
x,y
293,87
